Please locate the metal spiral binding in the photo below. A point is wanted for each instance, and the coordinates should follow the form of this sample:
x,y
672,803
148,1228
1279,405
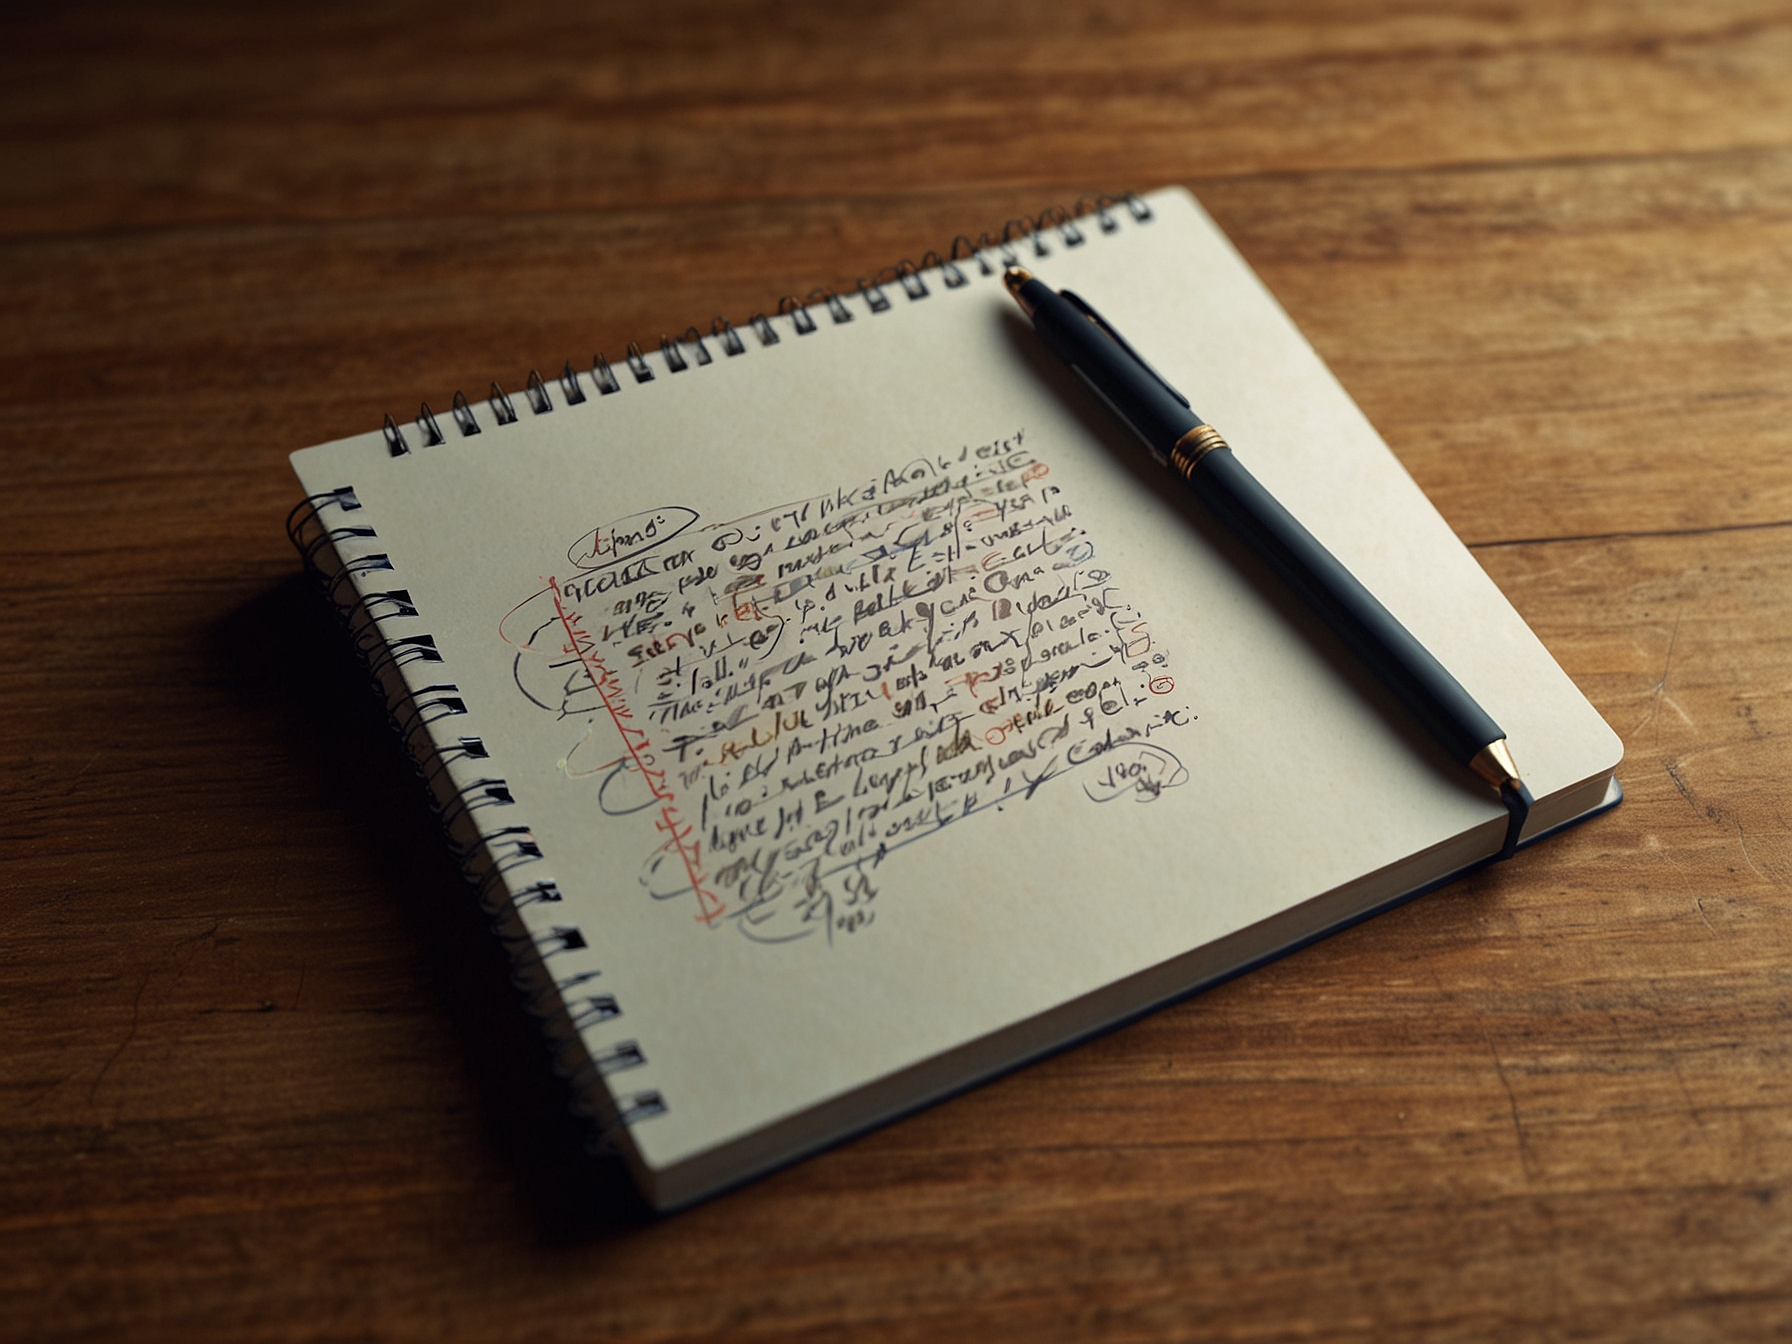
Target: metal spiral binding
x,y
723,330
763,329
473,803
1034,235
790,307
432,432
464,417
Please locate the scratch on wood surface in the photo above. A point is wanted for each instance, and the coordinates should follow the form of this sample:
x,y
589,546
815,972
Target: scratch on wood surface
x,y
1658,1004
1699,905
1723,816
43,1092
73,783
1626,534
1524,1147
1692,1109
192,943
1659,695
1684,758
129,1036
1499,1068
1672,767
1749,859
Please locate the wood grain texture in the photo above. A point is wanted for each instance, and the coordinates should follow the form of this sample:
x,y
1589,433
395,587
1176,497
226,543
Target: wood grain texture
x,y
260,1072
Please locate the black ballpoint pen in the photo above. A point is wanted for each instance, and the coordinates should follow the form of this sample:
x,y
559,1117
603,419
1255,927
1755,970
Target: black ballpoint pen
x,y
1194,450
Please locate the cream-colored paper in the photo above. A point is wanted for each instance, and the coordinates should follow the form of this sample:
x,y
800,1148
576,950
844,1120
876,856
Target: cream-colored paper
x,y
882,717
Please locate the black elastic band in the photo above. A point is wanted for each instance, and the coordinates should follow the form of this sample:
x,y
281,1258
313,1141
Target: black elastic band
x,y
1518,802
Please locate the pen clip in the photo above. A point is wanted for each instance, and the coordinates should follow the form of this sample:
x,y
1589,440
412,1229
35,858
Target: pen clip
x,y
1076,301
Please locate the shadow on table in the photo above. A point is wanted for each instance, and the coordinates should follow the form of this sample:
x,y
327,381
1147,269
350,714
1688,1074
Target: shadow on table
x,y
286,655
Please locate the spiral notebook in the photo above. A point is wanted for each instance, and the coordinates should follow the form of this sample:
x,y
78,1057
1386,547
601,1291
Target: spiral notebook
x,y
835,711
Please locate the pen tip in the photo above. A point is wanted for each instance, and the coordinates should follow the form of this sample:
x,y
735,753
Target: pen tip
x,y
1494,764
1014,277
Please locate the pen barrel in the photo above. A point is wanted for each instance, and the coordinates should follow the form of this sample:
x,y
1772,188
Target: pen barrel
x,y
1368,629
1118,379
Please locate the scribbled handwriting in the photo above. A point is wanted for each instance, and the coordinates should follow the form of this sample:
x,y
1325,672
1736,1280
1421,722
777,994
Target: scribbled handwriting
x,y
799,694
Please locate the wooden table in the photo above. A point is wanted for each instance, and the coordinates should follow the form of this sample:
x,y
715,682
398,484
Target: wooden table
x,y
260,1075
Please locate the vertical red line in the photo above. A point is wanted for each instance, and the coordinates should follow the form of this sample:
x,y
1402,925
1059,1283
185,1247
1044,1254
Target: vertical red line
x,y
609,691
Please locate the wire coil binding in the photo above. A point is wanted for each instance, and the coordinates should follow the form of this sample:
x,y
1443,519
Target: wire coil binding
x,y
1032,236
474,804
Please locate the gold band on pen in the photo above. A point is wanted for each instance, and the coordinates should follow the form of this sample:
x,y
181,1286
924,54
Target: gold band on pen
x,y
1193,446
